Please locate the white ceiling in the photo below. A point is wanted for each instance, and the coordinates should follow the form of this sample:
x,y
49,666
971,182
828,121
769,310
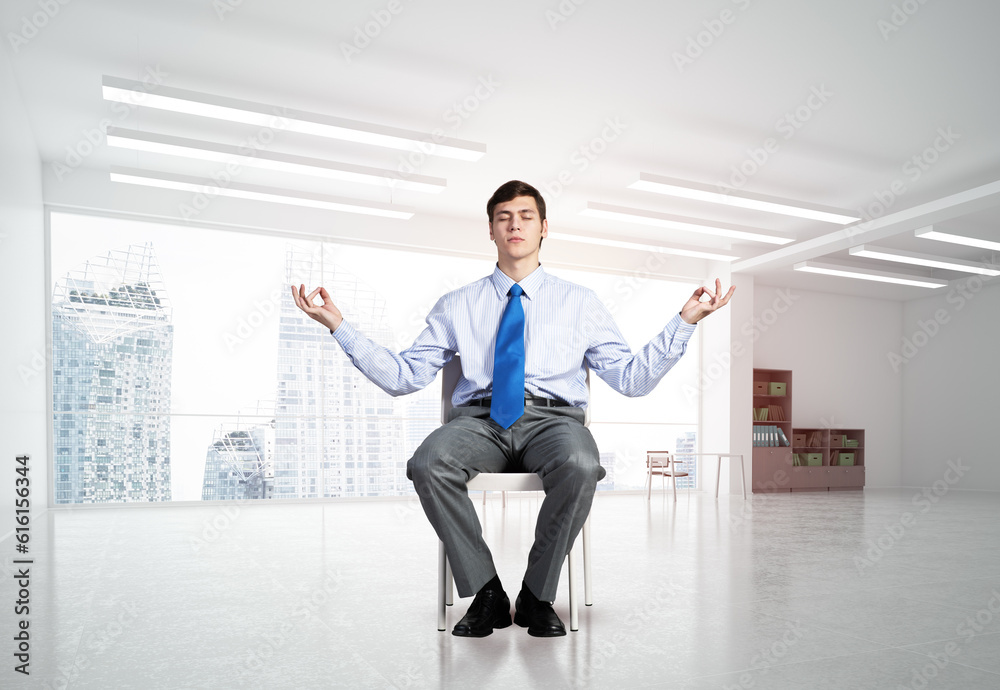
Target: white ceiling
x,y
557,73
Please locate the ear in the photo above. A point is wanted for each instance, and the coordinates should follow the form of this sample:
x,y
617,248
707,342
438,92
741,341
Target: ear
x,y
545,228
491,232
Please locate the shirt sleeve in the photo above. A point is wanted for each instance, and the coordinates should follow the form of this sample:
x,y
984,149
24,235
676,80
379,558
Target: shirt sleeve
x,y
609,356
413,368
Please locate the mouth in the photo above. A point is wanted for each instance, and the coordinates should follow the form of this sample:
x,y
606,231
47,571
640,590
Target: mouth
x,y
515,239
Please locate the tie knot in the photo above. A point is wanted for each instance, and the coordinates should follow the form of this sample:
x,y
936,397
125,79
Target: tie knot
x,y
516,290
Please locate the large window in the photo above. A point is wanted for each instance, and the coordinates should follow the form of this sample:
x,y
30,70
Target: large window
x,y
181,369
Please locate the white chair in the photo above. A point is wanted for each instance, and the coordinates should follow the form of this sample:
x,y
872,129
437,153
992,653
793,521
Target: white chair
x,y
663,463
504,482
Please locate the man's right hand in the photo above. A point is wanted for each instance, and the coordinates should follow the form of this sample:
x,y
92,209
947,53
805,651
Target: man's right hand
x,y
327,313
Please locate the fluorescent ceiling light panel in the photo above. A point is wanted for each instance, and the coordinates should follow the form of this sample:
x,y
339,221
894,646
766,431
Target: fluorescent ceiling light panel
x,y
648,182
271,160
930,233
280,118
865,274
257,193
664,220
901,256
655,249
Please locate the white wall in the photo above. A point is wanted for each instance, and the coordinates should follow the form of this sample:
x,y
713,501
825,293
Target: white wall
x,y
23,403
837,348
947,358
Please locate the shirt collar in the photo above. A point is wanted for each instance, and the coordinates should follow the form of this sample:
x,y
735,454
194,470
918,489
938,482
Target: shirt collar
x,y
530,283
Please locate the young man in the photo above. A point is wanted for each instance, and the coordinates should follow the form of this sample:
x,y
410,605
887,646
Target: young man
x,y
526,339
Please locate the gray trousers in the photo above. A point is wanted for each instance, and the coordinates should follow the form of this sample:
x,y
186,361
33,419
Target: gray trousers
x,y
549,441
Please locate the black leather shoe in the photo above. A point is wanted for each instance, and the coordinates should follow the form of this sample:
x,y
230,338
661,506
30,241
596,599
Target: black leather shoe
x,y
537,616
490,609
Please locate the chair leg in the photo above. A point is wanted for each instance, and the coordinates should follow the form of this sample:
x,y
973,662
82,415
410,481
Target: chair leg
x,y
743,479
449,584
588,588
673,484
443,586
574,612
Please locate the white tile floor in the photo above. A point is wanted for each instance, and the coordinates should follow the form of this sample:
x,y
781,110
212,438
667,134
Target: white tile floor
x,y
811,591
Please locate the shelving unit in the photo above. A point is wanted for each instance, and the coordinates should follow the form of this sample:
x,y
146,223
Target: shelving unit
x,y
813,461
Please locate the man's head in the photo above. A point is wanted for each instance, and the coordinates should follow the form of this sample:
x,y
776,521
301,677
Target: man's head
x,y
517,220
511,190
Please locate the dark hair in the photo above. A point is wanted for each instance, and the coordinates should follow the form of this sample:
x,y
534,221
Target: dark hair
x,y
511,190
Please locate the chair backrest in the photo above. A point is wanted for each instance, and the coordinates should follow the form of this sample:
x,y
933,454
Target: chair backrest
x,y
452,372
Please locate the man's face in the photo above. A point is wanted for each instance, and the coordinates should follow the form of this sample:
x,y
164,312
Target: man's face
x,y
516,228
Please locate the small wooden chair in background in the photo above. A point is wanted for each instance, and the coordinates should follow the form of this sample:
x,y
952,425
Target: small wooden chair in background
x,y
665,464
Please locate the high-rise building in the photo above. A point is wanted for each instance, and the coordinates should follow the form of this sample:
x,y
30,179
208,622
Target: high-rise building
x,y
688,443
112,342
336,433
239,464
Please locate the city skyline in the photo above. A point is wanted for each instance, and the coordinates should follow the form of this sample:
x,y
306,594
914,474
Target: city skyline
x,y
227,304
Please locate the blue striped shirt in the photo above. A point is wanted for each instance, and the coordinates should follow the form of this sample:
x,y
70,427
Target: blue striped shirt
x,y
566,328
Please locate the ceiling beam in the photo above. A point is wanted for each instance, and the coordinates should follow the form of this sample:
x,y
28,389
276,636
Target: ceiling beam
x,y
954,206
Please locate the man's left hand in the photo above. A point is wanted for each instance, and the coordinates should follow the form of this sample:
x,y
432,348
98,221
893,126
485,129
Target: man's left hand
x,y
695,310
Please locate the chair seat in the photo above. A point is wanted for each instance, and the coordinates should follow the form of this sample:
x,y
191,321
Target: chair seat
x,y
506,481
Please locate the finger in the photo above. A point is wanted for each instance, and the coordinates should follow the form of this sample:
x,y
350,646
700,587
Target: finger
x,y
295,297
312,296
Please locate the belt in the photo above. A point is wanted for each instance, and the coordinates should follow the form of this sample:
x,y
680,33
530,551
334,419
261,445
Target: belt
x,y
536,402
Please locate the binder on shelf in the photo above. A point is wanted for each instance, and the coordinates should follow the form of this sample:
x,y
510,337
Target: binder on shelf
x,y
784,439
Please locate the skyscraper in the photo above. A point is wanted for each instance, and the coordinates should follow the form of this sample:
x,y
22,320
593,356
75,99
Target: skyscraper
x,y
688,443
112,342
336,433
238,465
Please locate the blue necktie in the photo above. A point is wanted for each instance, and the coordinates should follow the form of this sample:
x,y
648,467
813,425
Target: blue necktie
x,y
507,404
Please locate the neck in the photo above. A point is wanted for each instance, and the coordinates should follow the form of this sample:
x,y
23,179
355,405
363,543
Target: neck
x,y
518,269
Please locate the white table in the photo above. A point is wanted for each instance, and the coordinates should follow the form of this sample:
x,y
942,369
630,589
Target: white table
x,y
718,469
